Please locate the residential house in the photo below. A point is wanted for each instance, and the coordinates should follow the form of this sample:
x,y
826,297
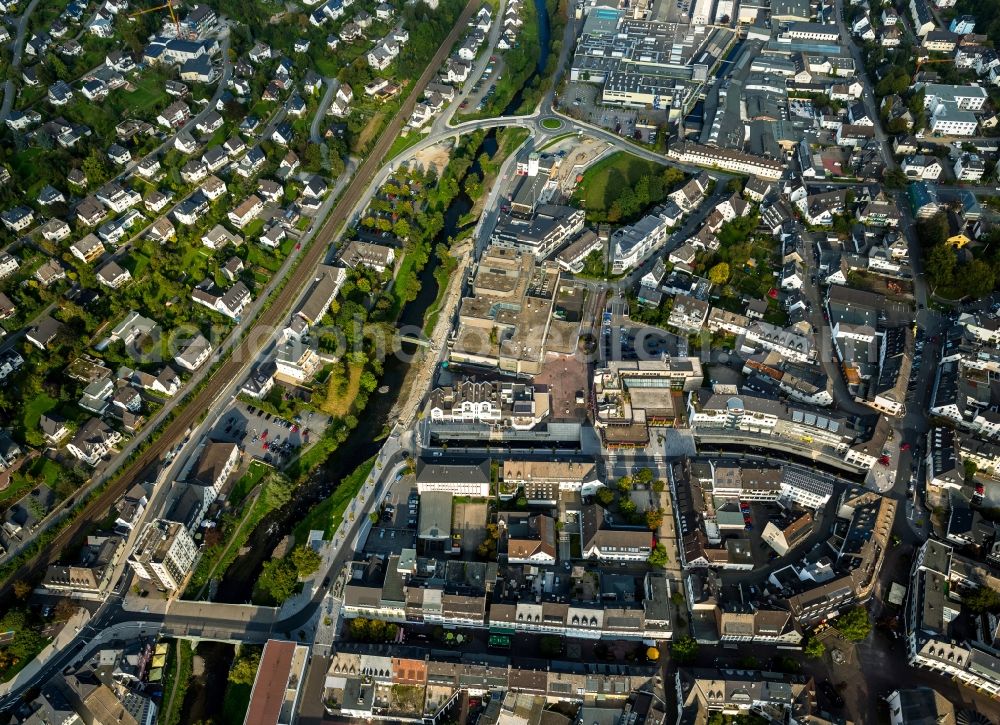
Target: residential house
x,y
921,167
8,264
230,303
93,441
193,353
49,272
88,250
246,212
113,276
43,332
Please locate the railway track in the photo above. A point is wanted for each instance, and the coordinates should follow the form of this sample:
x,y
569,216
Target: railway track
x,y
250,346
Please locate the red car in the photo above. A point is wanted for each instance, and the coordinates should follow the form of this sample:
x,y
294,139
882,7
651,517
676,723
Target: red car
x,y
263,435
979,489
295,429
884,460
265,445
298,246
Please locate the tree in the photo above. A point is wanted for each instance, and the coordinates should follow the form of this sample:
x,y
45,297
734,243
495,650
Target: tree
x,y
895,179
719,274
983,599
652,654
244,669
933,230
372,630
684,650
604,496
970,470
814,648
658,559
626,507
21,589
277,491
644,476
95,168
654,517
65,608
977,278
658,486
940,266
624,485
373,517
278,579
306,560
854,624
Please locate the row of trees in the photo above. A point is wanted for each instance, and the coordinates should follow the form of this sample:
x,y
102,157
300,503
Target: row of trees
x,y
372,630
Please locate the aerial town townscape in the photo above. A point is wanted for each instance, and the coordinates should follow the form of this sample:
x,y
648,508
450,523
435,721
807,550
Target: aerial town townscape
x,y
504,362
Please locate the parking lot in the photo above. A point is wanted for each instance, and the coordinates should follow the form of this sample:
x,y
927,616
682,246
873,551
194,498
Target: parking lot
x,y
265,436
583,101
485,87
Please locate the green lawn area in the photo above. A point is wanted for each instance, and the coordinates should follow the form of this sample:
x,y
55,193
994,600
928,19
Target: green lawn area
x,y
603,182
195,261
338,403
30,166
137,264
330,512
406,272
175,681
19,485
253,229
34,408
402,143
243,487
257,256
147,97
551,123
215,560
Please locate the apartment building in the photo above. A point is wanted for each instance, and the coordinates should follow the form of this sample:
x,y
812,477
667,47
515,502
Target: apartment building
x,y
632,245
164,554
549,228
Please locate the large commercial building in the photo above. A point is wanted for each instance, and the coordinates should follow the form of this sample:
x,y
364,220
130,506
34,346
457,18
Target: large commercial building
x,y
727,159
632,245
274,699
505,323
630,395
643,63
938,580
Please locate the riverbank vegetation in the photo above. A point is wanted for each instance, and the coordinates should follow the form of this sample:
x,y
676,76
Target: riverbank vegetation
x,y
280,577
222,543
326,517
177,675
